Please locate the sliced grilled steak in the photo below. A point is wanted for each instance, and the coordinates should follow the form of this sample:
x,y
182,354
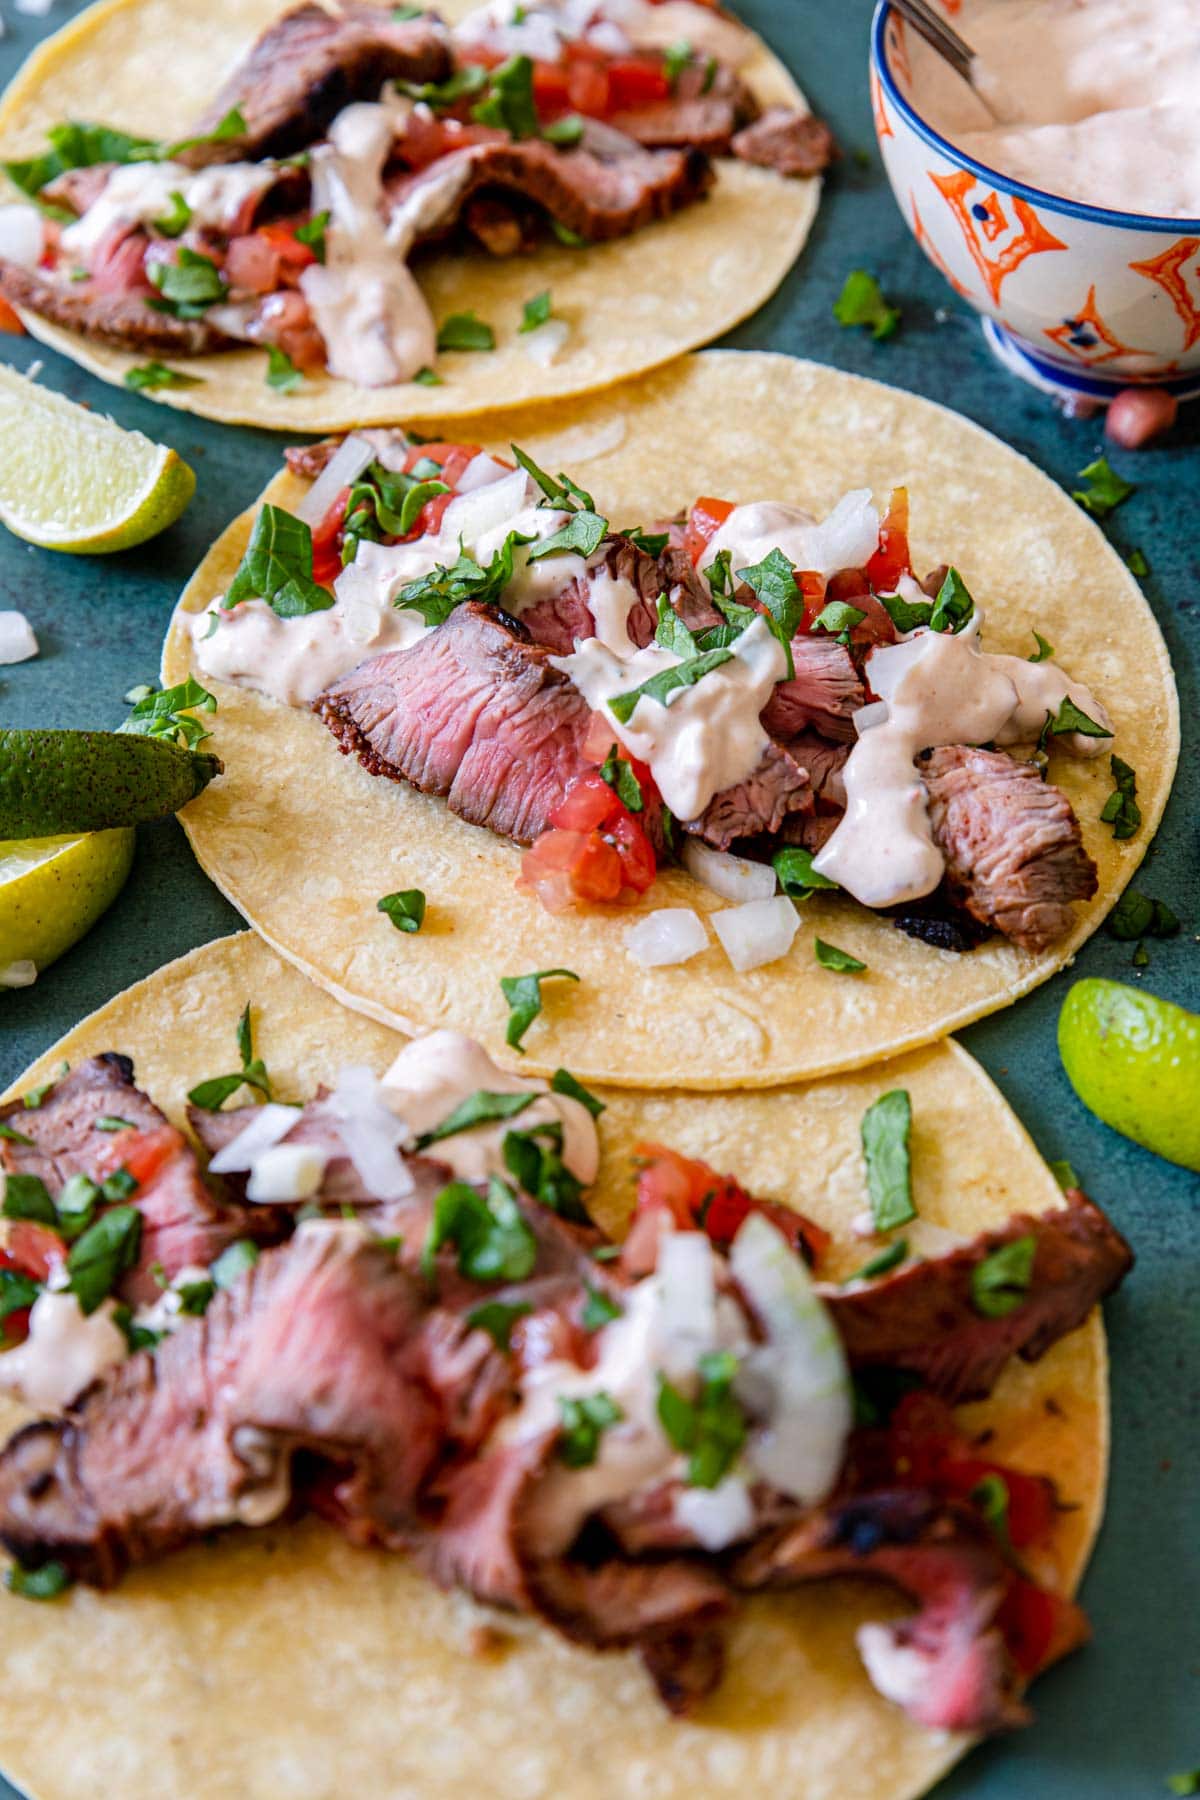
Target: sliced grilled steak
x,y
705,109
182,1224
824,762
757,807
306,67
316,1349
123,319
948,1665
825,692
687,591
790,142
924,1318
472,713
558,621
1014,854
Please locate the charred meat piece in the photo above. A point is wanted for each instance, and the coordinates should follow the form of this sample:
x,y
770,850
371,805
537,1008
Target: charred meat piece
x,y
824,693
925,1319
310,64
706,107
316,1349
110,316
1014,854
948,1665
472,713
182,1224
790,142
936,921
778,790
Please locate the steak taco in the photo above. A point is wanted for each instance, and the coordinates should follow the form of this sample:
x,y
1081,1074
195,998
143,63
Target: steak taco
x,y
403,216
808,729
542,1407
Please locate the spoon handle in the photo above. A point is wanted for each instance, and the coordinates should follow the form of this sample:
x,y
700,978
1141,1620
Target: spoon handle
x,y
941,35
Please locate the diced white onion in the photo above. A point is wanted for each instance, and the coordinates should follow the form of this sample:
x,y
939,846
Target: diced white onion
x,y
686,1326
344,467
716,1517
757,933
286,1172
874,713
22,235
17,642
798,1378
544,342
733,877
232,317
849,537
481,471
672,934
608,37
265,1127
371,1133
470,516
18,974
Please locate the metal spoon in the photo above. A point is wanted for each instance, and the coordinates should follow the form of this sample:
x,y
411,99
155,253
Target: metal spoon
x,y
950,46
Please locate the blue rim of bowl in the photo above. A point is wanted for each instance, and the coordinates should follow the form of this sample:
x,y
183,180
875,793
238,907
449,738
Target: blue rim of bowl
x,y
1074,209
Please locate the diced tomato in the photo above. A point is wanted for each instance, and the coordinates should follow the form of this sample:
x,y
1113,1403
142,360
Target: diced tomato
x,y
892,559
589,89
327,542
812,587
280,234
9,320
566,866
639,865
427,138
697,1197
550,94
1038,1626
143,1153
634,82
928,1449
589,804
33,1249
284,319
252,264
705,520
454,457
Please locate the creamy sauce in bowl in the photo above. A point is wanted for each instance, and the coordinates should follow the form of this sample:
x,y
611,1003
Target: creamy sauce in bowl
x,y
1094,100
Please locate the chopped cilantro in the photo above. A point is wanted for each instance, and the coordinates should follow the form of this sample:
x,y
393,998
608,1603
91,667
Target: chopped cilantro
x,y
563,493
509,104
75,146
146,377
27,1197
44,1583
168,714
406,909
471,78
97,1260
774,582
797,877
493,1241
652,542
583,1422
990,1495
1069,718
497,1318
480,1108
463,331
1105,491
1136,915
536,311
564,132
77,1206
883,1262
711,1430
17,1292
233,1263
886,1130
524,996
598,1309
906,615
661,686
175,222
565,235
1188,1782
34,1096
210,1096
862,302
282,373
953,606
312,233
12,1135
1044,650
1137,563
1000,1282
581,534
838,616
621,779
278,567
428,377
563,1082
1121,809
534,1160
195,1297
676,58
188,286
233,125
436,595
1064,1174
840,961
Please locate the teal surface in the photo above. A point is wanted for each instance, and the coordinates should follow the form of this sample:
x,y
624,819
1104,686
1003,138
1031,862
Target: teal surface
x,y
1121,1716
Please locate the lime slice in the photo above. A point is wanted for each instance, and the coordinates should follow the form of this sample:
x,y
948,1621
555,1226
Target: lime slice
x,y
1135,1061
72,480
69,781
52,890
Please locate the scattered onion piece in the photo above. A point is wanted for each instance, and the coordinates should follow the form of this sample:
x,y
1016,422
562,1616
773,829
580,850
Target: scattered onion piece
x,y
757,933
22,236
265,1127
341,471
733,877
671,934
17,642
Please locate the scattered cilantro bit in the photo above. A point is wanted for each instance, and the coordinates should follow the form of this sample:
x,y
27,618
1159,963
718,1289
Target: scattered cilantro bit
x,y
796,875
840,961
1188,1782
906,615
278,567
149,376
1141,957
402,14
113,1122
676,58
471,78
75,146
480,1108
774,582
954,606
387,503
563,1082
565,235
536,311
534,1160
839,615
712,1429
564,132
621,779
27,1197
990,1495
1064,1174
886,1130
652,542
661,686
97,1260
233,1263
77,1206
509,104
436,595
1121,809
406,909
1106,489
883,1262
1136,915
195,1297
862,302
34,1096
1137,563
582,534
1044,650
1069,718
1000,1282
45,1583
583,1422
210,1096
598,1309
175,222
524,996
563,493
428,377
604,1253
13,1136
497,1318
312,233
17,1292
168,714
282,373
233,125
463,331
188,286
493,1241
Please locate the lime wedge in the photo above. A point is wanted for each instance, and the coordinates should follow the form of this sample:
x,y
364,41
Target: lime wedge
x,y
52,890
70,781
1134,1060
72,480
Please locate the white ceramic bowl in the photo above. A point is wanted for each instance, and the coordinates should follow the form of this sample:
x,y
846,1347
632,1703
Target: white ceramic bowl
x,y
1077,299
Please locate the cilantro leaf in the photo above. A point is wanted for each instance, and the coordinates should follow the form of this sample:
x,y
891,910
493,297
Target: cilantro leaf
x,y
598,1309
1136,915
428,377
148,376
886,1130
840,961
75,146
564,492
492,1239
1000,1283
661,686
436,595
862,302
676,58
906,615
233,1263
774,582
27,1197
883,1263
1064,1174
282,373
621,779
44,1583
406,909
1121,809
954,606
233,125
471,78
1137,563
509,102
564,132
582,534
12,1135
534,1159
1069,718
796,874
497,1318
1106,489
536,311
524,996
175,222
711,1430
480,1108
312,233
839,615
652,542
188,286
563,1082
463,331
278,567
583,1422
17,1292
76,1206
106,1251
1045,650
990,1495
671,632
168,713
210,1096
